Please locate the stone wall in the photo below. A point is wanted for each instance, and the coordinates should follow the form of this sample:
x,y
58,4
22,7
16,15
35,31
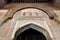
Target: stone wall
x,y
2,3
57,3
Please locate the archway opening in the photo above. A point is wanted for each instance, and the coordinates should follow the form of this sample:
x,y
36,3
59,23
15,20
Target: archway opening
x,y
31,34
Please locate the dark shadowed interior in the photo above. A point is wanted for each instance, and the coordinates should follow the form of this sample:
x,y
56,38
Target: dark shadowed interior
x,y
31,34
28,1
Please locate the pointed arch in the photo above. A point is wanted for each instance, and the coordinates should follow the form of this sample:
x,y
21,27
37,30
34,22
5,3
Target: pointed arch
x,y
32,26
